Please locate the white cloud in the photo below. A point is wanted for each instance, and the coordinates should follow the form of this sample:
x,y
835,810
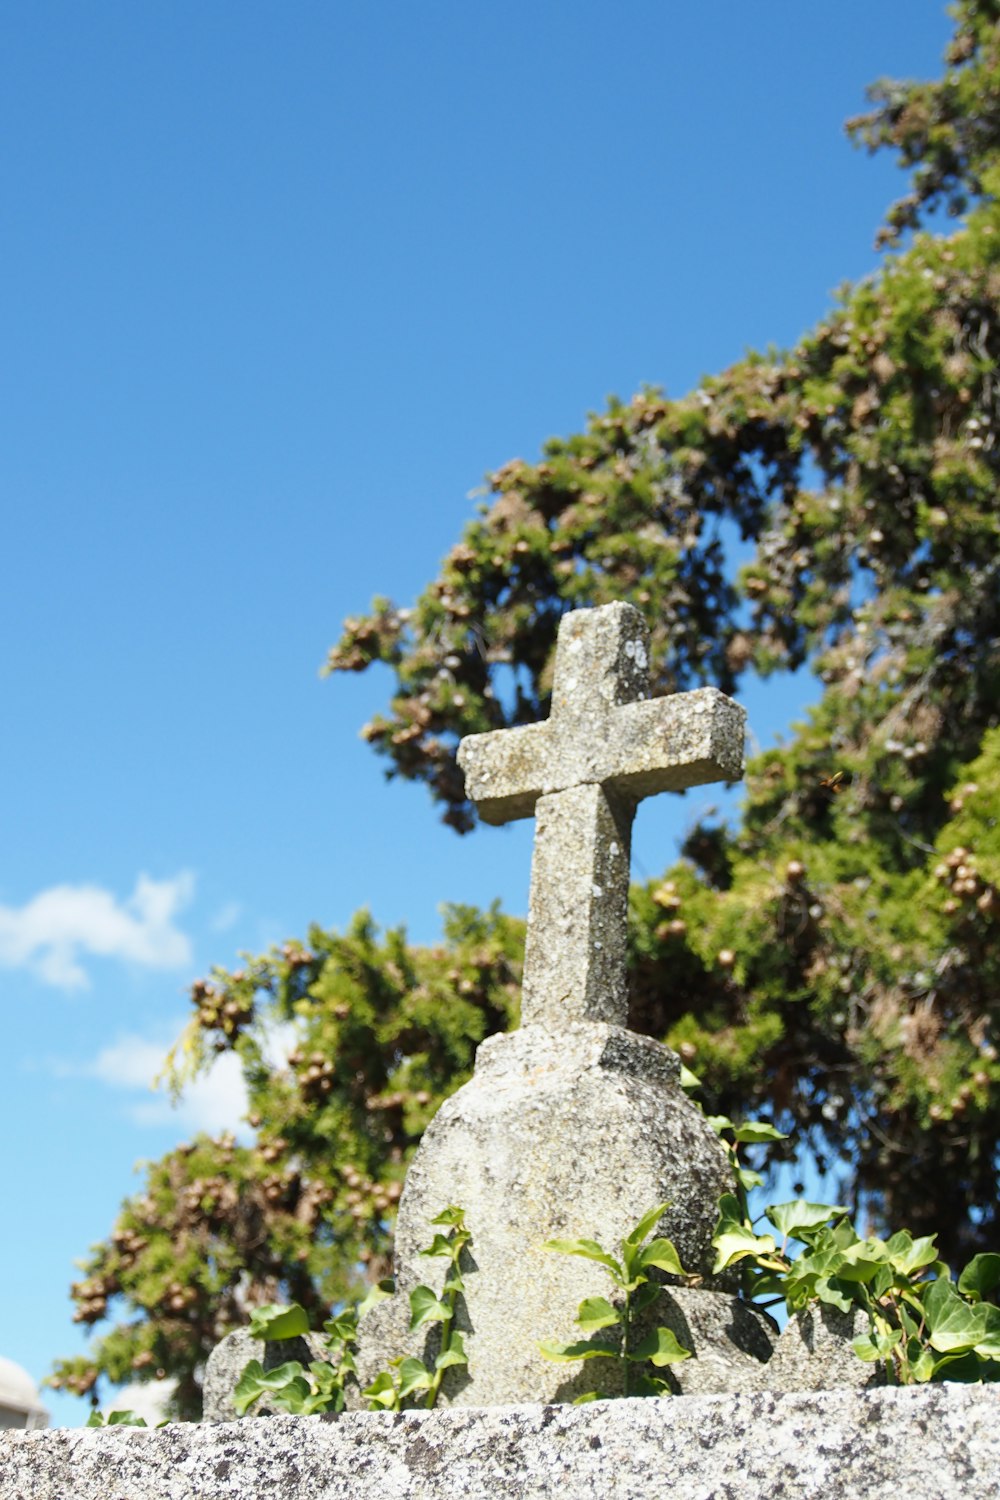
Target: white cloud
x,y
278,1043
226,917
213,1102
54,931
131,1063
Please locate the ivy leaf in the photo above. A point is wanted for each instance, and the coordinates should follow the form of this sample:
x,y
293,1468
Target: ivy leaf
x,y
956,1324
276,1322
801,1282
413,1376
874,1345
255,1381
648,1222
452,1215
659,1348
454,1355
791,1218
320,1402
747,1178
648,1385
733,1239
582,1349
754,1132
861,1262
829,1291
968,1367
909,1255
661,1253
294,1397
342,1329
426,1308
596,1312
589,1249
440,1245
980,1276
811,1266
376,1293
382,1391
327,1378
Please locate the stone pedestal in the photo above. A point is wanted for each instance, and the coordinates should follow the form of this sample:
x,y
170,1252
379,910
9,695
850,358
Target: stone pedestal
x,y
576,1134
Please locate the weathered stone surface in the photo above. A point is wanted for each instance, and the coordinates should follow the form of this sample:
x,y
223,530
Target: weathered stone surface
x,y
814,1353
582,772
730,1340
603,727
937,1442
574,957
576,1135
230,1357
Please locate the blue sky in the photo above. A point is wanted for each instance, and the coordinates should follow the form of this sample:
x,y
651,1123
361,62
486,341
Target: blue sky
x,y
281,282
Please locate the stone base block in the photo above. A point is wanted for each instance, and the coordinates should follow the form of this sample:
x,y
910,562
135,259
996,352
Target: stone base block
x,y
926,1443
568,1136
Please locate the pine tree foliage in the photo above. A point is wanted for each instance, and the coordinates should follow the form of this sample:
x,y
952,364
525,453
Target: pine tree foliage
x,y
834,961
947,131
372,1035
811,962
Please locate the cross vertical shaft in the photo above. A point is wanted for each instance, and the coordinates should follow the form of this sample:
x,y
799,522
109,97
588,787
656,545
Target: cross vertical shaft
x,y
574,956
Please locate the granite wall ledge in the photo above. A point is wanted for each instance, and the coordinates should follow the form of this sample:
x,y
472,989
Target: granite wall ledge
x,y
927,1443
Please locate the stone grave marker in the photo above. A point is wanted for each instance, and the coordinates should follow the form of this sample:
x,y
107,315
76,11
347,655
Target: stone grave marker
x,y
573,1125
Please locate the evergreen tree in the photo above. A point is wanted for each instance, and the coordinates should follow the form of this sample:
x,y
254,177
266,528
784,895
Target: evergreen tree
x,y
833,963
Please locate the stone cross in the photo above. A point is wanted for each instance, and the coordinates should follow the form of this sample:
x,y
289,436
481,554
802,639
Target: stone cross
x,y
582,773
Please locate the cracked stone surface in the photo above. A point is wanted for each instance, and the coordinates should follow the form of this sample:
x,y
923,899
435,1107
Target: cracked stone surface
x,y
582,773
938,1442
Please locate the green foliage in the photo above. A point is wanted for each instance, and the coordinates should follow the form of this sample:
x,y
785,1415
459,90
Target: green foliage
x,y
947,131
633,1345
126,1418
922,1326
394,1389
383,1032
276,1322
289,1387
813,963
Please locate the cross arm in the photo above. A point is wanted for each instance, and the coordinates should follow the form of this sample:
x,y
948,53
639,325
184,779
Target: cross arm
x,y
636,749
668,744
505,770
